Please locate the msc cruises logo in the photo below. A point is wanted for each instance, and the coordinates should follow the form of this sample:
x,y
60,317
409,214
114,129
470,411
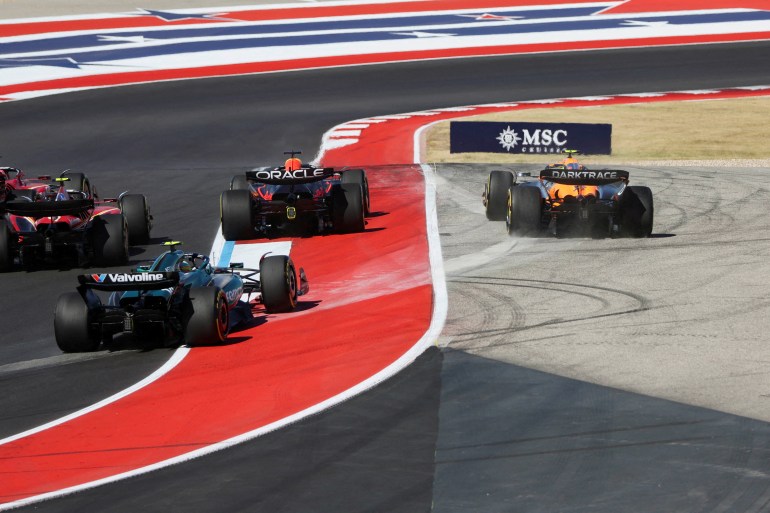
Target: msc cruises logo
x,y
533,141
508,138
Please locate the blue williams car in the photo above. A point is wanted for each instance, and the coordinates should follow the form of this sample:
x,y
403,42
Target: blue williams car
x,y
179,298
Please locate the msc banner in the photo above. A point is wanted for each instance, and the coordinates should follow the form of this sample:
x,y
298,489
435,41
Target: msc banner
x,y
493,137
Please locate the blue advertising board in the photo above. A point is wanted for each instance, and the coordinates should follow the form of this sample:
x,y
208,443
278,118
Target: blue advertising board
x,y
534,138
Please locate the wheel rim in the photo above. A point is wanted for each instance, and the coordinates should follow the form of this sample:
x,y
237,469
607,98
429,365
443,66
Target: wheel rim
x,y
222,318
292,282
508,213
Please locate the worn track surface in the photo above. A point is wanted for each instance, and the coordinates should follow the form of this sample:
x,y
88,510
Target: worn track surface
x,y
608,374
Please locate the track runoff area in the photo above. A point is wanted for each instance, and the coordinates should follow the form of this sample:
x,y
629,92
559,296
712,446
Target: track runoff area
x,y
54,55
384,285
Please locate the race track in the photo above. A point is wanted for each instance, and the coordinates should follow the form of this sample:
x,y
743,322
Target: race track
x,y
576,375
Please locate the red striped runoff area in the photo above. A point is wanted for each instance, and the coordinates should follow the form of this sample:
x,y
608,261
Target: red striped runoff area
x,y
371,302
54,55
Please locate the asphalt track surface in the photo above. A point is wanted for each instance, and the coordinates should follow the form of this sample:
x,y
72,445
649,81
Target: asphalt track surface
x,y
552,393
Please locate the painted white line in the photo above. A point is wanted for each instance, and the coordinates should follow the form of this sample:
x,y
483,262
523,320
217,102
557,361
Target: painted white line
x,y
177,357
251,254
699,92
590,98
457,109
346,133
390,117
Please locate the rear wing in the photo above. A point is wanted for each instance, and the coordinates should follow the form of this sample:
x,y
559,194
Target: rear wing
x,y
130,281
37,209
583,176
281,176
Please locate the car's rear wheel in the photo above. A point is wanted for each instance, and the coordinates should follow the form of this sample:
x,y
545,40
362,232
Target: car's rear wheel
x,y
278,282
359,176
70,325
348,208
25,194
206,318
497,187
637,211
6,249
524,211
110,239
76,182
137,214
239,183
236,215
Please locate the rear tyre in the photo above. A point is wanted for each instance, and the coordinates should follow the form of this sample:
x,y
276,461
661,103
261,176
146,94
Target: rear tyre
x,y
278,282
137,214
497,194
70,325
637,211
6,251
239,183
206,318
235,214
524,211
76,182
348,208
24,194
359,176
110,239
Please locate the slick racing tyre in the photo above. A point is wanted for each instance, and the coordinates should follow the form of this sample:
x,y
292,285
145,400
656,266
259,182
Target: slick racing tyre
x,y
138,220
278,283
235,214
496,194
24,195
239,183
637,211
358,176
70,325
77,181
206,319
110,239
348,208
6,251
524,211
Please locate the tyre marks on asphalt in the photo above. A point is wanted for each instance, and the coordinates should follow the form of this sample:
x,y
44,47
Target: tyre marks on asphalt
x,y
567,361
675,316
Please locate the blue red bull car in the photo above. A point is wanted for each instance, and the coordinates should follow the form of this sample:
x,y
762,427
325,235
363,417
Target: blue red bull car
x,y
63,222
570,198
178,298
294,199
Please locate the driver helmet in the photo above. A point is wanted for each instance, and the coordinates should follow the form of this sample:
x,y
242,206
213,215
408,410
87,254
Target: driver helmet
x,y
185,266
292,164
573,165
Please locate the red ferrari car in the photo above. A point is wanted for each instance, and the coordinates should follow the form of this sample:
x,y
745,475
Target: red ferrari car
x,y
63,222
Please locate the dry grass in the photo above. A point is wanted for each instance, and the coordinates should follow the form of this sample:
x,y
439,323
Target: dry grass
x,y
702,130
